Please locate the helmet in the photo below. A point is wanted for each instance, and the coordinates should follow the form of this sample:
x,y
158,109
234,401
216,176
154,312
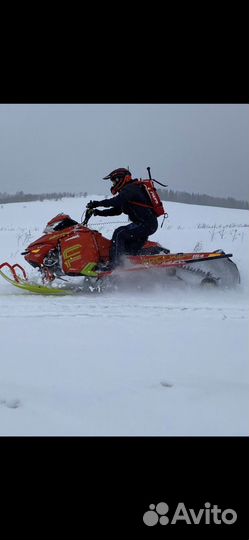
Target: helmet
x,y
120,178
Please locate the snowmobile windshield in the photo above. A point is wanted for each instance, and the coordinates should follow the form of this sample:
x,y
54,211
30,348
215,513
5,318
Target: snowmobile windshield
x,y
64,224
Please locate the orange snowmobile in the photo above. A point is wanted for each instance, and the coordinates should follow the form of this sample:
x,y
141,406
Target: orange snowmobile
x,y
69,248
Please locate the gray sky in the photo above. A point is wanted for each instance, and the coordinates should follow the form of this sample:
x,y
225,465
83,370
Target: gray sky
x,y
200,148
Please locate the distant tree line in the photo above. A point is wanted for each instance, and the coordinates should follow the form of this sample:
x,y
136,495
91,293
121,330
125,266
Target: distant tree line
x,y
165,194
20,196
202,199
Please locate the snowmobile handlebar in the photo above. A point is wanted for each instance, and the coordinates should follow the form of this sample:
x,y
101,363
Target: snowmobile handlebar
x,y
88,215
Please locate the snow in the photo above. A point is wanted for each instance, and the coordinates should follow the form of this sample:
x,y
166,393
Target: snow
x,y
159,362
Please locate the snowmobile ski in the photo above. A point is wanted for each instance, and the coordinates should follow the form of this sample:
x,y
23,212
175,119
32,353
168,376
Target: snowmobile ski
x,y
32,287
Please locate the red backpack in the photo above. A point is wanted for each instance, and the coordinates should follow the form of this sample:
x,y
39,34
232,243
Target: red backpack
x,y
156,203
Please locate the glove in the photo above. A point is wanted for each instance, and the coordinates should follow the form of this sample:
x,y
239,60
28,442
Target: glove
x,y
92,204
93,212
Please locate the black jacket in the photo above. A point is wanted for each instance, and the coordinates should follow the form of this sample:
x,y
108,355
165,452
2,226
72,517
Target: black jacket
x,y
122,203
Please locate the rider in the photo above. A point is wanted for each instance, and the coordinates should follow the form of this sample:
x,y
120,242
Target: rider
x,y
131,199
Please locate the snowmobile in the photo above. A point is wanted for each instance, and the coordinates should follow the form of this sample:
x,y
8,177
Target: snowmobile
x,y
69,249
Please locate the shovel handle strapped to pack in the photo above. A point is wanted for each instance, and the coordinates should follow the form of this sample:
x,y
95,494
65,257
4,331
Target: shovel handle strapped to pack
x,y
156,203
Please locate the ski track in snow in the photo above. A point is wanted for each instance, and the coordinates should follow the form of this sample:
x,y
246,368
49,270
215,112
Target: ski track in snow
x,y
162,362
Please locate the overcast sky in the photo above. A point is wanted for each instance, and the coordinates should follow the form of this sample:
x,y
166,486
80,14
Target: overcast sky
x,y
194,148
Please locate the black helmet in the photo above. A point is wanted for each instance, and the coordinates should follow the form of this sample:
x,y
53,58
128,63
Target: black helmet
x,y
119,177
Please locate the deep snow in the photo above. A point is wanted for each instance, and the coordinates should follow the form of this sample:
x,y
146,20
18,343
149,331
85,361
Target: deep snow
x,y
158,362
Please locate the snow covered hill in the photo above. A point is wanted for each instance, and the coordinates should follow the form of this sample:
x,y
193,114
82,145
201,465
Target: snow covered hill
x,y
162,362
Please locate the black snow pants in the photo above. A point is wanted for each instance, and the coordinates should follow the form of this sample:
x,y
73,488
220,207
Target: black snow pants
x,y
129,239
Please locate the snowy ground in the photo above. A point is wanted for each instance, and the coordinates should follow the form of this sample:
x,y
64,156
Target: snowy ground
x,y
162,362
